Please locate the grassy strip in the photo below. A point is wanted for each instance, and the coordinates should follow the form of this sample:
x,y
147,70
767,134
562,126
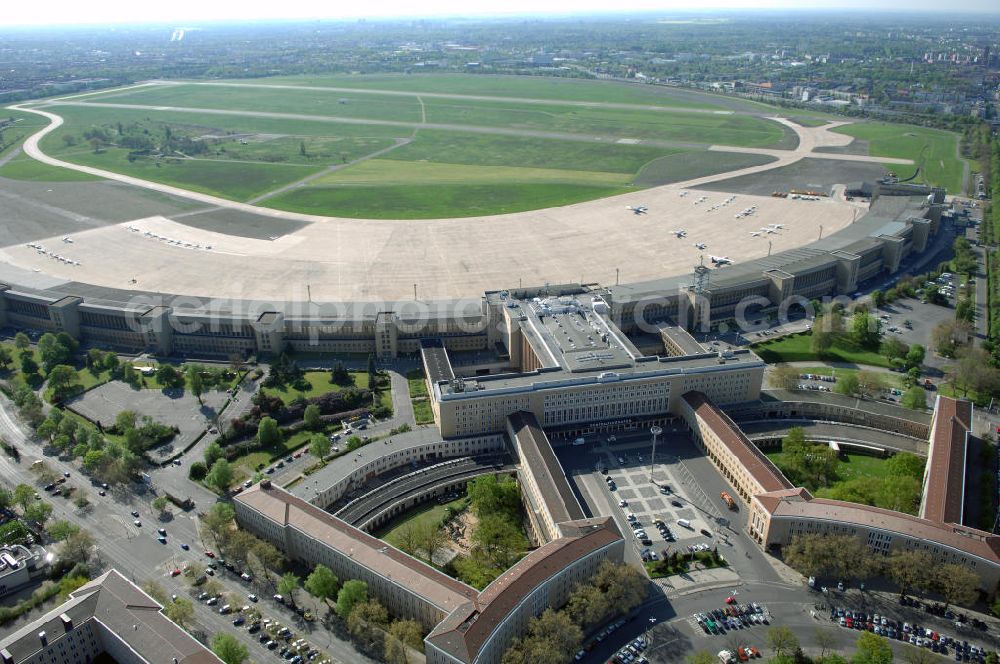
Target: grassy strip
x,y
658,569
798,348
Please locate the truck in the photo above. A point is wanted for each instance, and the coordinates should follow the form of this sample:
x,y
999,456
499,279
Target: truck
x,y
727,657
730,503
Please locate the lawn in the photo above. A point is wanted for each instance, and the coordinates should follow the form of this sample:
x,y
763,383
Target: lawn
x,y
932,149
695,164
422,411
319,384
436,202
489,149
849,466
388,172
797,348
536,87
25,124
425,515
417,383
443,172
90,380
23,167
658,569
891,379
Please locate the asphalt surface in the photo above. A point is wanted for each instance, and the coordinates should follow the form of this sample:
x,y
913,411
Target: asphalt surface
x,y
135,551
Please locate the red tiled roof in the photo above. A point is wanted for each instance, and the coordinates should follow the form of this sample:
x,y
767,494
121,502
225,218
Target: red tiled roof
x,y
757,464
465,631
944,490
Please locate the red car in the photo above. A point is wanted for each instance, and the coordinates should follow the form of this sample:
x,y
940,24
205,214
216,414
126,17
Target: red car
x,y
730,600
297,455
176,572
210,554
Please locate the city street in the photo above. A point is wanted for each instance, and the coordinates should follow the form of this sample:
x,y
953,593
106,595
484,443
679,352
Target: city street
x,y
135,551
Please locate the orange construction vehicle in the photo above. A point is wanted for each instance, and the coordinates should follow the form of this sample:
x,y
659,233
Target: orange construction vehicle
x,y
729,500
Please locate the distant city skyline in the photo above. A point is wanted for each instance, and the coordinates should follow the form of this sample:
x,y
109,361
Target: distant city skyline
x,y
66,12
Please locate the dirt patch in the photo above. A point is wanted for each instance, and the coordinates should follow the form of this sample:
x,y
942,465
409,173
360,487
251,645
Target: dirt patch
x,y
460,531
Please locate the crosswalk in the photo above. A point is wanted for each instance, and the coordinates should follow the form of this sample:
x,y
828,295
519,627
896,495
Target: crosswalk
x,y
131,530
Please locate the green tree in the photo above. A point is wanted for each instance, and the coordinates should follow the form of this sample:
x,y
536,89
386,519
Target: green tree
x,y
228,648
340,375
372,375
198,471
893,349
872,649
24,495
213,453
319,446
220,476
322,583
914,398
491,495
498,539
866,330
69,584
160,504
915,356
195,382
365,618
218,521
268,433
6,498
61,529
311,417
77,547
956,583
847,384
6,357
288,584
21,341
352,593
62,379
782,640
169,377
784,377
878,298
402,634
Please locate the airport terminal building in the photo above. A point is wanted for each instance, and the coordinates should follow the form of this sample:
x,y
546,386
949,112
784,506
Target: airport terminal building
x,y
903,221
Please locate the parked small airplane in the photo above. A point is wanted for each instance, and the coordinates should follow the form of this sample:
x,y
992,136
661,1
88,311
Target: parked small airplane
x,y
637,209
754,233
700,245
679,232
722,260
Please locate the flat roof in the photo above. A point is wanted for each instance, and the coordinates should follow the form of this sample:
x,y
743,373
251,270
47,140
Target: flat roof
x,y
642,369
374,554
680,338
944,488
436,361
560,501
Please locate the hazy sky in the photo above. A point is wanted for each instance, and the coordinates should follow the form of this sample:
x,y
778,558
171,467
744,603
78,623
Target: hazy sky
x,y
186,11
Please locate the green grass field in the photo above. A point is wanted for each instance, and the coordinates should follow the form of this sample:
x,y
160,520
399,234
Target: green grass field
x,y
446,172
431,514
796,348
690,165
434,202
416,383
14,133
422,411
933,149
849,466
23,167
536,87
319,384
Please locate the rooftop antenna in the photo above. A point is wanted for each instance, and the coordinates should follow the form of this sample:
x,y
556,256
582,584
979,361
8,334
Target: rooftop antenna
x,y
616,276
414,291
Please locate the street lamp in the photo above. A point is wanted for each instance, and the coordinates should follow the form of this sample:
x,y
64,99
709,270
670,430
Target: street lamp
x,y
652,622
656,431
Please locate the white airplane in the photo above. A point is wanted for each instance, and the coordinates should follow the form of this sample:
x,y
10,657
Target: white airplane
x,y
722,260
769,231
679,232
637,209
68,239
684,193
754,233
776,225
700,245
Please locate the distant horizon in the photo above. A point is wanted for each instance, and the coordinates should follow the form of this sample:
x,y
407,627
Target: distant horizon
x,y
111,13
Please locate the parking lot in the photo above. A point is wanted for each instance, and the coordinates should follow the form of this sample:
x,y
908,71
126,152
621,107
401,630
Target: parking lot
x,y
617,472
